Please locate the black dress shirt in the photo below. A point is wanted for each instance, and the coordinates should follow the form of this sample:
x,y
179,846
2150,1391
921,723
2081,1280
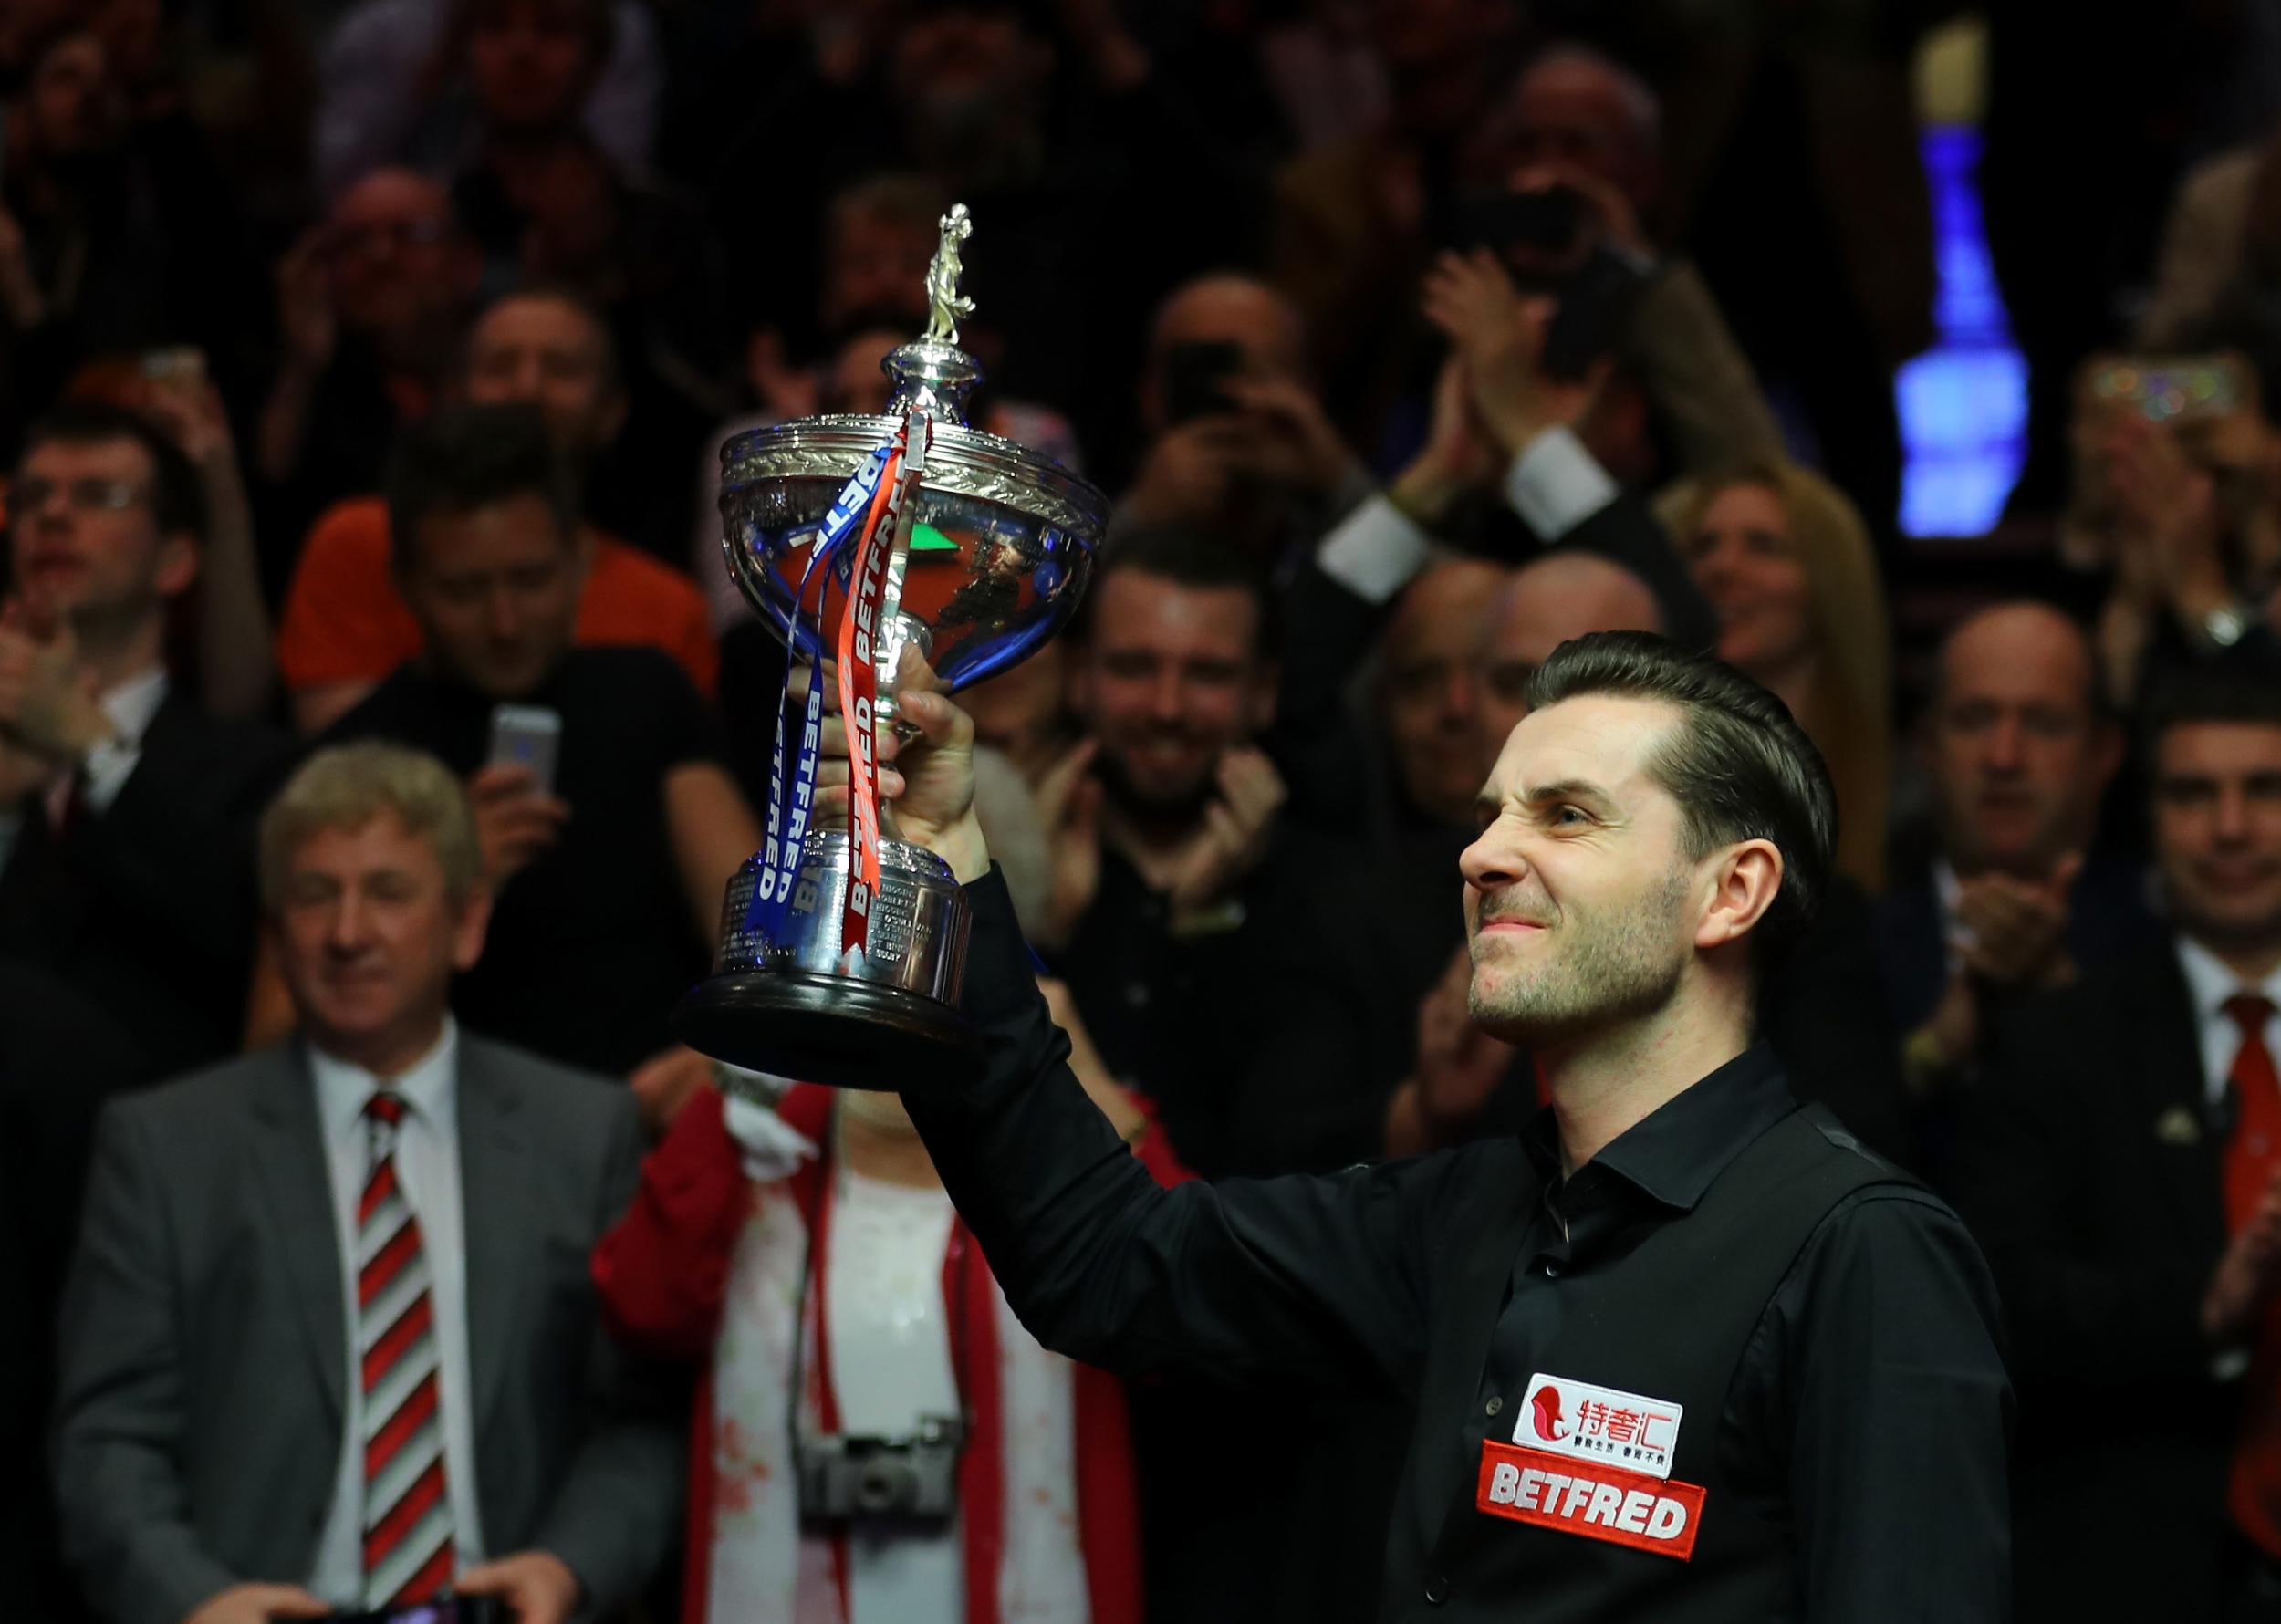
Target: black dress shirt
x,y
1867,1416
1881,1335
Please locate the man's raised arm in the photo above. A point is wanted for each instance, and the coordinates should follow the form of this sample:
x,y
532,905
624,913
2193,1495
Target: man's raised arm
x,y
1318,1278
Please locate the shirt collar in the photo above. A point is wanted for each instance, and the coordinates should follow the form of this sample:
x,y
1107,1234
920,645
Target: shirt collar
x,y
135,701
1674,1152
2209,983
429,1086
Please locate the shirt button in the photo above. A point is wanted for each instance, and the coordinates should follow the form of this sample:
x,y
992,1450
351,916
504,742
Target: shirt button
x,y
1494,1404
1438,1589
1552,1271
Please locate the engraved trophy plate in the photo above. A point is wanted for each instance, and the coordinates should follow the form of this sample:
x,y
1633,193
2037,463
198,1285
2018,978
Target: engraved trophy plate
x,y
988,563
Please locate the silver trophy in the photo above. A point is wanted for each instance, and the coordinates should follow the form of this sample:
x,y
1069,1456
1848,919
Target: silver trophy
x,y
990,550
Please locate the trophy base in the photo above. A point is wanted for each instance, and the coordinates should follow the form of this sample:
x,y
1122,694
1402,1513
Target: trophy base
x,y
798,1007
828,1029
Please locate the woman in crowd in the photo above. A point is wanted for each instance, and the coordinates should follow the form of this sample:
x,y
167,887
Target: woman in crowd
x,y
1786,562
809,1258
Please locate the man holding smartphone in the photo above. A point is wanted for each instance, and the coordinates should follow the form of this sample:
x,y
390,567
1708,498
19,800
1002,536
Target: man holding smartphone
x,y
608,869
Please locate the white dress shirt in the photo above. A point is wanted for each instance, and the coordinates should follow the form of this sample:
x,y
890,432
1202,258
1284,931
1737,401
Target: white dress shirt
x,y
1554,485
104,771
2209,983
427,1164
891,1364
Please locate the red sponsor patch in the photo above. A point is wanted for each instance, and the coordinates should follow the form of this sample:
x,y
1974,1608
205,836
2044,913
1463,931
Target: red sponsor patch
x,y
1648,1514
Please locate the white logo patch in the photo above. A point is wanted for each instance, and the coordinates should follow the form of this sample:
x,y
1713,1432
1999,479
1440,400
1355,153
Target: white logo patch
x,y
1598,1424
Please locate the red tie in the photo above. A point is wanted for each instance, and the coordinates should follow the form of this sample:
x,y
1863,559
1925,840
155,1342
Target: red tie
x,y
407,1506
2251,1155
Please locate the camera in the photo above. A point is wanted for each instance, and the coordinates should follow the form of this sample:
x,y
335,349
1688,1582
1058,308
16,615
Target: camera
x,y
913,1477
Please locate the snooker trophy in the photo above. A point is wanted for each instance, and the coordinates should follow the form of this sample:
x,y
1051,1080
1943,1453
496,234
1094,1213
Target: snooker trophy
x,y
855,538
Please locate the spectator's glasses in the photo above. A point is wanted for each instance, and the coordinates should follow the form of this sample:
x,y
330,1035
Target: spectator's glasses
x,y
29,494
393,233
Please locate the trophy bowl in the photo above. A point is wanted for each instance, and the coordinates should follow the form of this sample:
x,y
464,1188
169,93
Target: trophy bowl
x,y
997,550
999,555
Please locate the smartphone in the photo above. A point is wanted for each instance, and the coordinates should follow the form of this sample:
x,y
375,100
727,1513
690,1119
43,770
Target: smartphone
x,y
527,735
1548,221
1193,374
1595,306
2170,389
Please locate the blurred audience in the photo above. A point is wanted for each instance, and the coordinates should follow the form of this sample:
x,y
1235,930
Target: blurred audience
x,y
345,628
388,96
126,809
117,232
1428,690
542,202
2122,1167
1787,565
2013,894
606,863
368,311
1168,868
487,1440
1238,446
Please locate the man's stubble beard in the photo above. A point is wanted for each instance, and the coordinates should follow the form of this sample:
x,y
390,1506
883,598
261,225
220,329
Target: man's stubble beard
x,y
1608,969
1160,812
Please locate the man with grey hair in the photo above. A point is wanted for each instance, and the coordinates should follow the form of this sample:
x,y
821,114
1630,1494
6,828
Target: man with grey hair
x,y
330,1340
1681,1349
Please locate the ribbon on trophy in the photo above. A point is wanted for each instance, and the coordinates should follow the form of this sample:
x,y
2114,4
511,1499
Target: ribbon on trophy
x,y
871,512
860,632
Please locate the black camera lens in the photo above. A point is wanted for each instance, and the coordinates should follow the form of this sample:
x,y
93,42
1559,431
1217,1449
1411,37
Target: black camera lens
x,y
884,1485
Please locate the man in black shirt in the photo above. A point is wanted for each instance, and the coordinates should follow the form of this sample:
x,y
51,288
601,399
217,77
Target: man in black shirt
x,y
1174,868
1682,1350
609,881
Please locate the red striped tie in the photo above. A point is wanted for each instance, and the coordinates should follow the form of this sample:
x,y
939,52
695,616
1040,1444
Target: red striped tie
x,y
2252,1157
407,1509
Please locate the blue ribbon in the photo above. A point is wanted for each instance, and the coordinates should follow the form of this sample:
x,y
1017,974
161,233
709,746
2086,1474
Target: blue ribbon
x,y
791,795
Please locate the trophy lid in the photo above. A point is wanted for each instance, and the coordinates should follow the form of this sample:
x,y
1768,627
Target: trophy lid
x,y
933,371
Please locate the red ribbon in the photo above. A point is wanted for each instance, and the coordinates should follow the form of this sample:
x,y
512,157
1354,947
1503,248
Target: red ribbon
x,y
858,694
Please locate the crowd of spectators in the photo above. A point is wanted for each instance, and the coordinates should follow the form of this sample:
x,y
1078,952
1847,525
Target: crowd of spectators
x,y
365,368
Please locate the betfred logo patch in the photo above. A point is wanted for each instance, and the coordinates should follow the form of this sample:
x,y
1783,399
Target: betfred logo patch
x,y
1598,1424
1626,1508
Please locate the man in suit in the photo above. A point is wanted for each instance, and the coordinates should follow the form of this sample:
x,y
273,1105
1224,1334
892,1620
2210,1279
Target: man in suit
x,y
60,1059
2012,898
330,1340
2122,1164
126,812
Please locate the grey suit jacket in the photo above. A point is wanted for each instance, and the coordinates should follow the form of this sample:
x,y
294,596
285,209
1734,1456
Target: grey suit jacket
x,y
204,1350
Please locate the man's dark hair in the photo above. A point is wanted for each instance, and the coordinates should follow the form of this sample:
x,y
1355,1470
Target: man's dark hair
x,y
2243,689
463,458
1739,766
178,499
1189,558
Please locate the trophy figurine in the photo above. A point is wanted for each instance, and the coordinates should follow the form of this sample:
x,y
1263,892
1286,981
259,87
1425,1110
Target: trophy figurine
x,y
857,538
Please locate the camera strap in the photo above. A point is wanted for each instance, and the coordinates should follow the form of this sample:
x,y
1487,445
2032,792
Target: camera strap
x,y
969,1317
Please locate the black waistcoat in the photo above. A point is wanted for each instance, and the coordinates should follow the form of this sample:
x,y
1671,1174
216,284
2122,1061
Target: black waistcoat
x,y
1669,1321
